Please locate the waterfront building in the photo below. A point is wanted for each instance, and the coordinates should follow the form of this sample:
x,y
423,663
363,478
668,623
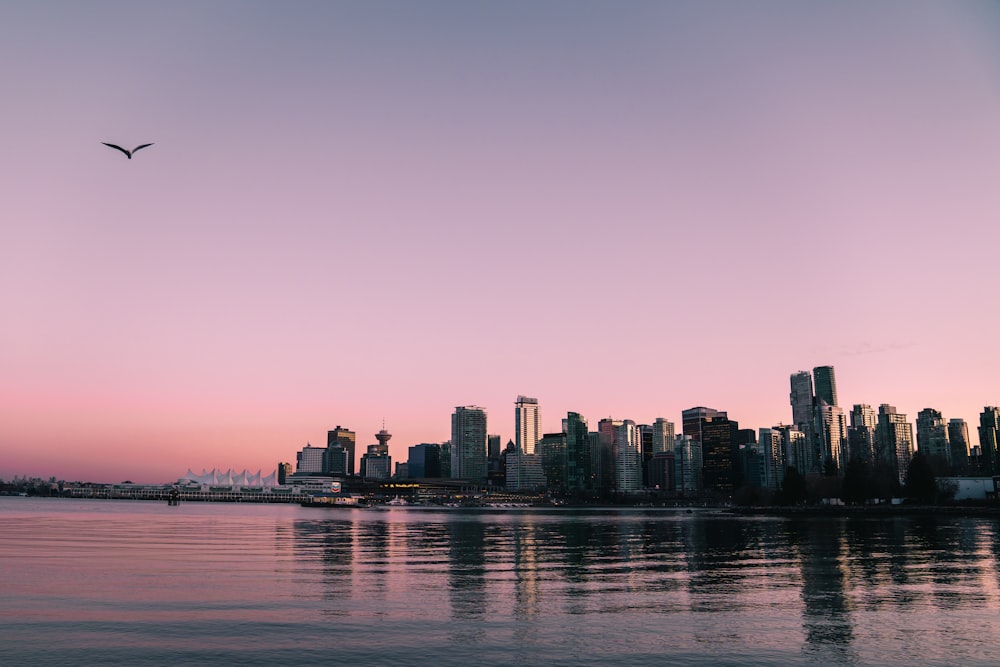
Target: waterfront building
x,y
424,460
771,445
826,385
628,461
346,439
335,461
663,436
932,440
717,435
989,433
602,457
816,413
578,469
801,398
527,427
310,459
662,472
285,470
552,452
376,463
861,433
687,465
830,429
524,471
493,447
893,441
796,448
958,437
468,443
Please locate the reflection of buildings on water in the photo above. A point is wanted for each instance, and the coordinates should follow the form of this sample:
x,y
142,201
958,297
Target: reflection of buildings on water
x,y
826,608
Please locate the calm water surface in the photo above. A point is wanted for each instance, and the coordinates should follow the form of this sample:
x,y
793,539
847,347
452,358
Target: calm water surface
x,y
140,583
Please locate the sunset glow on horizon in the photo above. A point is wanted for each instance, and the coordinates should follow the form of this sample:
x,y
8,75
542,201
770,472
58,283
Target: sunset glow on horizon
x,y
357,212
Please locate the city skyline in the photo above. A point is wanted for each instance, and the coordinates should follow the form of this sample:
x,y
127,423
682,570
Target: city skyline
x,y
357,212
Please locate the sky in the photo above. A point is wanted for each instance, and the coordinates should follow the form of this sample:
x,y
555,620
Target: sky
x,y
364,211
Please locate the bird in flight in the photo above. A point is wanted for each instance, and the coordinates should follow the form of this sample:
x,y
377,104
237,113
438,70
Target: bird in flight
x,y
128,154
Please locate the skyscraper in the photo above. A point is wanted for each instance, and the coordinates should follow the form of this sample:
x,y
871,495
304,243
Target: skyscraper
x,y
932,439
830,431
893,440
801,398
527,429
578,469
663,436
716,434
468,443
989,434
424,460
958,436
628,461
772,448
861,434
826,385
346,439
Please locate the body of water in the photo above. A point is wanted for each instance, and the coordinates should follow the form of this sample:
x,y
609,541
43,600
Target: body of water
x,y
140,583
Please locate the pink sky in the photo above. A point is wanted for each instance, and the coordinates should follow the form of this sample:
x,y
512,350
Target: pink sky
x,y
358,211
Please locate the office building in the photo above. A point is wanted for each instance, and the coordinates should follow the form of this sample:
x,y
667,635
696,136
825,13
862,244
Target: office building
x,y
932,440
578,469
424,460
628,457
553,455
717,435
310,459
861,433
527,427
989,432
893,441
346,440
958,437
468,443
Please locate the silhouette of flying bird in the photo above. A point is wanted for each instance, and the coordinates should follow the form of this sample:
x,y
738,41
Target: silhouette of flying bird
x,y
128,154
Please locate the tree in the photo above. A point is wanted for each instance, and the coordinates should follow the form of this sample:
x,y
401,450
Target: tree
x,y
859,482
793,489
921,483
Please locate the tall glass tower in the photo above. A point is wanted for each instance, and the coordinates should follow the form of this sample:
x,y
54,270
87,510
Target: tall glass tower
x,y
468,443
527,425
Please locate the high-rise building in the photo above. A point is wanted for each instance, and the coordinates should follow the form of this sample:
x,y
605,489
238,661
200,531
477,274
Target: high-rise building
x,y
578,469
663,436
932,440
602,458
346,439
861,433
958,436
468,443
310,459
989,434
376,462
493,447
798,454
285,470
893,440
771,446
801,398
717,435
424,460
826,385
628,458
552,453
830,431
687,465
527,427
